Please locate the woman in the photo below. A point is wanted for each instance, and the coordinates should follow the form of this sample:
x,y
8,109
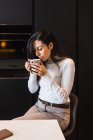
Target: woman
x,y
54,76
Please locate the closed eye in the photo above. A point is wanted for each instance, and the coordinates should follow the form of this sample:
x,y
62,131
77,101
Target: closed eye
x,y
39,48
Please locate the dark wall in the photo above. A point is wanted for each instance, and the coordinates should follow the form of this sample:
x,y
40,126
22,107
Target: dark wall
x,y
85,45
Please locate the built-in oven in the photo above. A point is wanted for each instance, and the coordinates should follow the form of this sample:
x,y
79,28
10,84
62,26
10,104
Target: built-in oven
x,y
13,43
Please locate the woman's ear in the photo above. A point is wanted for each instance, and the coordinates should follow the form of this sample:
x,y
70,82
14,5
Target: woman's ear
x,y
51,45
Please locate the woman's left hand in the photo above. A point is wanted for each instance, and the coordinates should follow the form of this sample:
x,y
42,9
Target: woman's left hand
x,y
39,69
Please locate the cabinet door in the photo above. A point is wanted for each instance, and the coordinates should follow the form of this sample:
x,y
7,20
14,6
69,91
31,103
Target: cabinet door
x,y
15,99
85,44
60,18
16,12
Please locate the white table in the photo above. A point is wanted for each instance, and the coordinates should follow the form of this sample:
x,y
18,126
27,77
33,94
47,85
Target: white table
x,y
33,129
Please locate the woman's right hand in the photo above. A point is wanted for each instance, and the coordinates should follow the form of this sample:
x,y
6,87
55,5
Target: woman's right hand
x,y
28,66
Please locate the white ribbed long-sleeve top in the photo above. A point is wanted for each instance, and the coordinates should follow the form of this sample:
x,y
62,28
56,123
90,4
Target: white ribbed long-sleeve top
x,y
56,85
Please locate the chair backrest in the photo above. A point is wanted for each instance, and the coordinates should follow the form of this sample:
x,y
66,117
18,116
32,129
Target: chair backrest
x,y
73,115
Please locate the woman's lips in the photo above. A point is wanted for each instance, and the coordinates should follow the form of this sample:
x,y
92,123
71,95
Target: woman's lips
x,y
41,58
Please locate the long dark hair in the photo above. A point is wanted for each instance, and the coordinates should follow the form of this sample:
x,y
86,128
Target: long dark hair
x,y
46,37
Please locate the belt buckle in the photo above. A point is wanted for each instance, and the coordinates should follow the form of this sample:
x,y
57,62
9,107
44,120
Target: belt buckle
x,y
46,103
51,104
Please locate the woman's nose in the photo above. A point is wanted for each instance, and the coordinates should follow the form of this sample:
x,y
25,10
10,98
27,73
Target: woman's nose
x,y
37,53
